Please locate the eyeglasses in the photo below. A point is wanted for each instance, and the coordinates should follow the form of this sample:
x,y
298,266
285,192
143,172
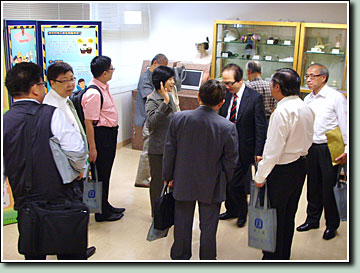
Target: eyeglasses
x,y
66,81
229,83
312,76
112,69
40,83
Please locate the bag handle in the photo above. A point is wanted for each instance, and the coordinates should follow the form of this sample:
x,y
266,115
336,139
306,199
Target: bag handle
x,y
165,188
256,196
92,167
342,167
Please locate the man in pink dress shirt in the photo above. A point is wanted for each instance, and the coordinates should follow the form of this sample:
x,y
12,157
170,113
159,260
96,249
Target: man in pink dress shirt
x,y
101,123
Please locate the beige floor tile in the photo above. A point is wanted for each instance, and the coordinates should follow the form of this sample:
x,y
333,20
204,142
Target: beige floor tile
x,y
126,239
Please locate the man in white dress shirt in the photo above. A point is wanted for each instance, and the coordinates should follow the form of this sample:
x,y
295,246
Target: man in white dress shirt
x,y
289,137
62,81
330,107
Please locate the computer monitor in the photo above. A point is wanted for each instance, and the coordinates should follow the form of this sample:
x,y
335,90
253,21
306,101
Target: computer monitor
x,y
192,80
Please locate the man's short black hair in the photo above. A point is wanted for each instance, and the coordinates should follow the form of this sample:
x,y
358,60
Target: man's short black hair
x,y
21,78
212,92
161,74
57,69
81,80
100,64
289,81
238,72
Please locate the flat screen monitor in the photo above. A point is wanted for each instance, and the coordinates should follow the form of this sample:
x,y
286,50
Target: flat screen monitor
x,y
192,80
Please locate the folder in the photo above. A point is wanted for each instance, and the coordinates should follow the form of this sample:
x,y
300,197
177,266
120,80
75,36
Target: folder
x,y
335,143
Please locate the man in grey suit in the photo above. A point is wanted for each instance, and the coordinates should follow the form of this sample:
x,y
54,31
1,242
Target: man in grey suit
x,y
200,156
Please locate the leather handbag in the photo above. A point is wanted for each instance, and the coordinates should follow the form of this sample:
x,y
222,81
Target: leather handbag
x,y
49,227
52,228
164,209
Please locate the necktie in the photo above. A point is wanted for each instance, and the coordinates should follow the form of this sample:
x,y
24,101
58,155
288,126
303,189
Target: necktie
x,y
73,110
233,109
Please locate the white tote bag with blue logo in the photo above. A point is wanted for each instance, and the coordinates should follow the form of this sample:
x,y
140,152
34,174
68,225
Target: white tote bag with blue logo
x,y
92,193
262,224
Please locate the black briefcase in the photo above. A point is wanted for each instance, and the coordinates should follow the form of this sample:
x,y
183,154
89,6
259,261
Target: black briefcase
x,y
164,209
53,228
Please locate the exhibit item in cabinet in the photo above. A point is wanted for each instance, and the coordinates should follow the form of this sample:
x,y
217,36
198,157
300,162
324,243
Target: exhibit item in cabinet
x,y
325,44
274,44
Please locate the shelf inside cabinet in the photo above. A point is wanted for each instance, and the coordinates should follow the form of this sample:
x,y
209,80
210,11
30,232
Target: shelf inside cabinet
x,y
324,53
258,44
244,59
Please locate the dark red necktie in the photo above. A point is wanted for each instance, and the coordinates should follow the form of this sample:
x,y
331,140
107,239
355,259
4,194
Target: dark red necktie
x,y
233,109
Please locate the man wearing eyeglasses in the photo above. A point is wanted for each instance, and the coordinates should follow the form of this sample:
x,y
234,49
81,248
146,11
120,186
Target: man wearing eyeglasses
x,y
62,81
330,108
101,124
244,107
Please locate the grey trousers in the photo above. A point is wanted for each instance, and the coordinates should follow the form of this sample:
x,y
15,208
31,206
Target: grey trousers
x,y
143,172
183,223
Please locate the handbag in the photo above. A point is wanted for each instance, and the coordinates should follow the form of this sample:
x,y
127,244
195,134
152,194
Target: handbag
x,y
154,234
92,193
262,224
340,192
164,209
49,227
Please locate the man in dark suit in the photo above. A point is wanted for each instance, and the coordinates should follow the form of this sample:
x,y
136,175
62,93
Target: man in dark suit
x,y
201,151
244,107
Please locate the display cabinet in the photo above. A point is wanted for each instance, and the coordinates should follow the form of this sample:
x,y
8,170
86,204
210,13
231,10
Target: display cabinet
x,y
274,44
325,44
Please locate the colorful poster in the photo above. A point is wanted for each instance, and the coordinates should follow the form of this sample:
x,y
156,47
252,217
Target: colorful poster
x,y
9,214
76,45
22,44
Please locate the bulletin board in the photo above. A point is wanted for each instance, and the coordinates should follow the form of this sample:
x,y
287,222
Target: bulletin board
x,y
75,43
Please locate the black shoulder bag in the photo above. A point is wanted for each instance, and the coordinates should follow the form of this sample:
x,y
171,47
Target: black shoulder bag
x,y
49,227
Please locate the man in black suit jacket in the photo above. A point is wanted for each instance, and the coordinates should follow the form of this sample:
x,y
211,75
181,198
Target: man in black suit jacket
x,y
200,156
248,113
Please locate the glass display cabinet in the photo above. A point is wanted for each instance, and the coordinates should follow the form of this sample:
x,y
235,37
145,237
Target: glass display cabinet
x,y
274,44
325,44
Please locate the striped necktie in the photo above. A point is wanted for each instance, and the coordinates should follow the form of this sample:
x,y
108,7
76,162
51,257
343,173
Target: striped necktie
x,y
233,110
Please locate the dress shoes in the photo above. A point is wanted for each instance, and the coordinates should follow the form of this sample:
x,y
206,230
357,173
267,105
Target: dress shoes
x,y
225,216
90,251
117,210
329,234
111,217
306,227
241,222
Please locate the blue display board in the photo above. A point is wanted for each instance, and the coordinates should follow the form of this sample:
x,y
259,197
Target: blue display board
x,y
75,43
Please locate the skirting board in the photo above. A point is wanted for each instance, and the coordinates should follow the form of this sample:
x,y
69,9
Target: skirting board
x,y
123,143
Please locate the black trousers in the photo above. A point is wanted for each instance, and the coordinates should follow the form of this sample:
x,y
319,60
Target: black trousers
x,y
156,184
320,182
285,183
236,192
105,140
183,224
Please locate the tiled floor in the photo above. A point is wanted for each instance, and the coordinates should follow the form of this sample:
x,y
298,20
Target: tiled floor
x,y
125,240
